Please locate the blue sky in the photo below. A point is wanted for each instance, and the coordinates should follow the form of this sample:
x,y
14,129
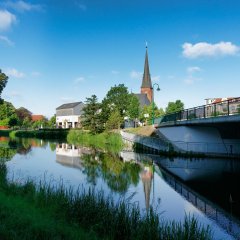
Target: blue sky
x,y
58,51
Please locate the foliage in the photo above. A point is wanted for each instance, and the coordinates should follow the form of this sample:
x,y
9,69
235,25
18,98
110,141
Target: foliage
x,y
91,116
43,133
114,121
148,110
7,110
106,141
176,106
26,123
13,121
133,109
3,82
23,113
43,123
52,122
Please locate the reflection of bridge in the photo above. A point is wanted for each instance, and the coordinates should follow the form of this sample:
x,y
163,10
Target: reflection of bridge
x,y
191,170
212,128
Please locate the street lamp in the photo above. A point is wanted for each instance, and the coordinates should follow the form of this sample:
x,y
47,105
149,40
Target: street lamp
x,y
158,89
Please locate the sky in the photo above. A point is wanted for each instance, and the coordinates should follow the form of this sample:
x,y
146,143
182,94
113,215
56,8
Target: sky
x,y
60,51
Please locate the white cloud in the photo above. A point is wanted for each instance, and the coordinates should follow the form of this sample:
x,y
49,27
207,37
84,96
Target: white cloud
x,y
12,72
22,6
135,75
6,20
204,49
156,78
6,40
115,72
79,80
192,70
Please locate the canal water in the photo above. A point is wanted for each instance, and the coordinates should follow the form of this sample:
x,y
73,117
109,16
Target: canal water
x,y
205,188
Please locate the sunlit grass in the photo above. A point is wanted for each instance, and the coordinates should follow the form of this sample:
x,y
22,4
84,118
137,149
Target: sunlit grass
x,y
105,141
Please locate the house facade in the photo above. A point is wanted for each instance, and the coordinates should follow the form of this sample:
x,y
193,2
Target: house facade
x,y
69,115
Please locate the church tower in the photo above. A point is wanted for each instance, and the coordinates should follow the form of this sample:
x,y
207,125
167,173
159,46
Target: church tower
x,y
146,87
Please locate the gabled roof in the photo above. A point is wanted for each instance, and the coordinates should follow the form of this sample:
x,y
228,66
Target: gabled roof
x,y
143,99
37,117
68,105
146,81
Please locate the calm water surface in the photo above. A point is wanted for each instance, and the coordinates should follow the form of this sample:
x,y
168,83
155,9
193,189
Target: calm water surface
x,y
174,187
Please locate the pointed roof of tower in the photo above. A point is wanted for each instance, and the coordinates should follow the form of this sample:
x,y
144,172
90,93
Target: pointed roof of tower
x,y
146,81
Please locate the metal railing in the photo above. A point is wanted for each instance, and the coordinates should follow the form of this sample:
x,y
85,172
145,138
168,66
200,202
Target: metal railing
x,y
224,108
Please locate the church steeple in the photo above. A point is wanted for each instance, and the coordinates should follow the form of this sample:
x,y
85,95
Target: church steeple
x,y
146,81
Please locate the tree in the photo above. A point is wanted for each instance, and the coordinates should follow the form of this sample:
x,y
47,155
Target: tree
x,y
146,113
23,113
52,122
176,106
7,110
91,117
133,109
117,99
3,82
13,121
114,120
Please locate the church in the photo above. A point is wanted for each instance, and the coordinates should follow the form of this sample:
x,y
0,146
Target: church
x,y
146,95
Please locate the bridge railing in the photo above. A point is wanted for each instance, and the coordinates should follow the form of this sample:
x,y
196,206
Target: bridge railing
x,y
223,108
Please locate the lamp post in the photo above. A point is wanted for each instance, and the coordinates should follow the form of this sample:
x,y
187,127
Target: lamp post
x,y
158,89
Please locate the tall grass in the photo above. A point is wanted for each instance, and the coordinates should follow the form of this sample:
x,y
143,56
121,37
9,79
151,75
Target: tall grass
x,y
34,209
107,141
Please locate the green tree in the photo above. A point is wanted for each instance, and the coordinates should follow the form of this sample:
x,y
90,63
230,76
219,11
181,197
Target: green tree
x,y
3,82
23,113
91,116
13,121
133,108
114,120
117,99
26,123
146,113
6,110
176,106
52,122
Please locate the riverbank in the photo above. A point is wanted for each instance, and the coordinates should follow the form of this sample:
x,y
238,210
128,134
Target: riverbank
x,y
30,211
60,134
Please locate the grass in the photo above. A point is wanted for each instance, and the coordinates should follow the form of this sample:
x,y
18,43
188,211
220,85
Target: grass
x,y
144,131
42,211
109,141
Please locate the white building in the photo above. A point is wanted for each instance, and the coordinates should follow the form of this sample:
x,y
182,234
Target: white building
x,y
69,115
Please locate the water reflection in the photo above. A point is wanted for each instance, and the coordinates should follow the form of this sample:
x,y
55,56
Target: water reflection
x,y
117,174
151,177
205,183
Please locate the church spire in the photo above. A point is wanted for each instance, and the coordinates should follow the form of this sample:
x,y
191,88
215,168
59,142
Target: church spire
x,y
146,81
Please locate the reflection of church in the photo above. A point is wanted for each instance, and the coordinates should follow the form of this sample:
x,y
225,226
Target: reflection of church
x,y
147,178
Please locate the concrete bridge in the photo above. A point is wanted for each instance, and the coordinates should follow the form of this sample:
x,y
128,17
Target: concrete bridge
x,y
212,128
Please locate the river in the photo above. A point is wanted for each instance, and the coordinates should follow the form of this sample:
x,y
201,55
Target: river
x,y
205,188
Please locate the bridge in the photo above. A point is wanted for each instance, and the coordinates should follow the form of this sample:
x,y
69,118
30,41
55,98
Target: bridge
x,y
211,128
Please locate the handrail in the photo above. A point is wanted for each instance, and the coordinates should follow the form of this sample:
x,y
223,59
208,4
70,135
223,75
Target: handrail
x,y
223,108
